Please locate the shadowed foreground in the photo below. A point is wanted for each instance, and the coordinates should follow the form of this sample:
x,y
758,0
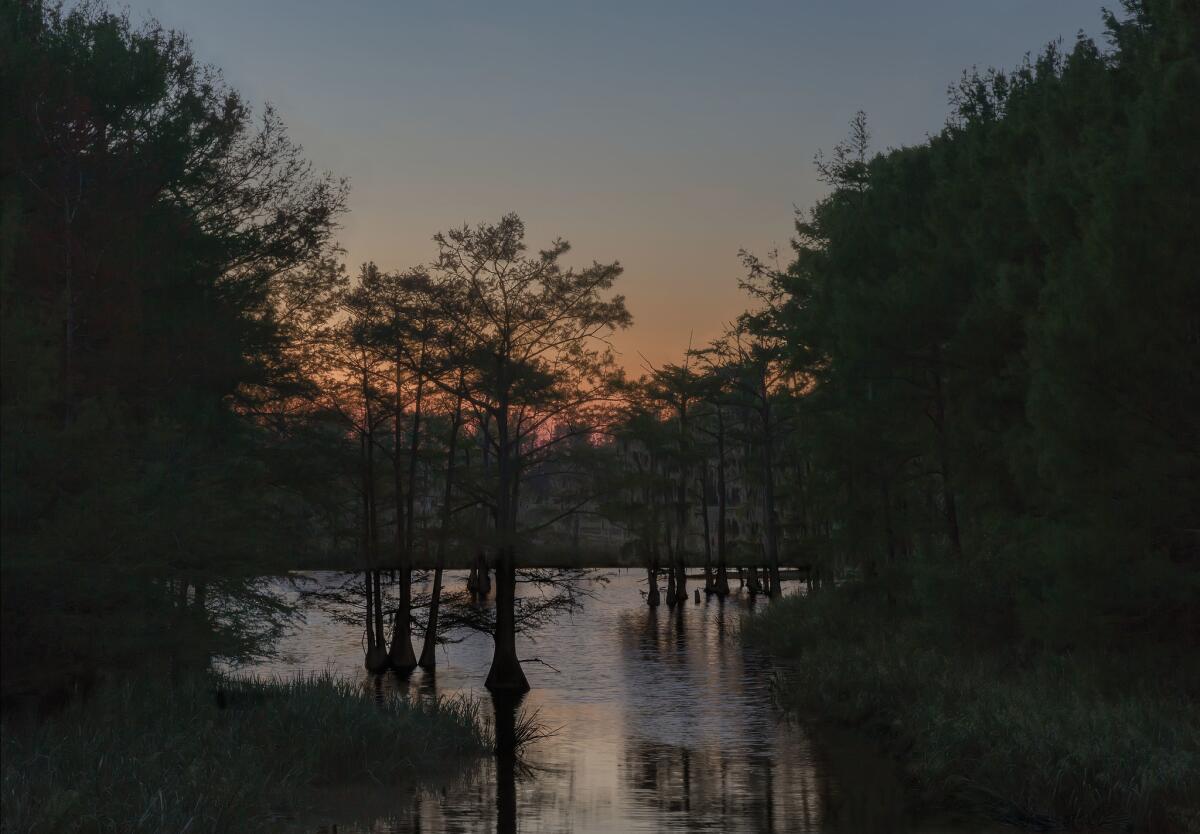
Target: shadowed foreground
x,y
1096,740
220,755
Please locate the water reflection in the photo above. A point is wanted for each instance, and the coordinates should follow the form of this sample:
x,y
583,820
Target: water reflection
x,y
505,708
666,725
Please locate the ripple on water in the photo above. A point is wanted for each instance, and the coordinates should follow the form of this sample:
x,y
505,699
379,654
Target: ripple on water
x,y
664,724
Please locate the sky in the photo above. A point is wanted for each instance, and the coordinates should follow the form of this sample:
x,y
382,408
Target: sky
x,y
664,135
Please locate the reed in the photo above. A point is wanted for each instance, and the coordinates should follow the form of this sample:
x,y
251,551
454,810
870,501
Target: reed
x,y
1045,741
147,756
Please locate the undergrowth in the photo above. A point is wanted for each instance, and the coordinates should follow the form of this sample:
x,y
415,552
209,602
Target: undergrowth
x,y
144,756
1045,740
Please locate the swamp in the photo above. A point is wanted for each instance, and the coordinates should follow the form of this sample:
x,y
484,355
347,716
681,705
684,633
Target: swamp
x,y
338,496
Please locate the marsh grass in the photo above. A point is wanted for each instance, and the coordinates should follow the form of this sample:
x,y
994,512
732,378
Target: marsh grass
x,y
145,756
1046,742
529,728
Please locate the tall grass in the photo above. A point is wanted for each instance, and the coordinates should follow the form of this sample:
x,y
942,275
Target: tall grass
x,y
149,757
1049,741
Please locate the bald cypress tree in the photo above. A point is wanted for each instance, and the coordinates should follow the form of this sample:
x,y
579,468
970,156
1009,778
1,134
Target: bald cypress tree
x,y
530,336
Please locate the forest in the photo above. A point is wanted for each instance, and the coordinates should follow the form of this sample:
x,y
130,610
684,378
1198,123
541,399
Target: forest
x,y
961,416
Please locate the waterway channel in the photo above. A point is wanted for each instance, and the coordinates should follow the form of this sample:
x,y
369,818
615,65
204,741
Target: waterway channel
x,y
663,721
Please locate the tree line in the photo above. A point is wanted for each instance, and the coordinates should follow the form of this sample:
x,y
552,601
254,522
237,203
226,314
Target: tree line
x,y
161,243
975,385
196,394
998,333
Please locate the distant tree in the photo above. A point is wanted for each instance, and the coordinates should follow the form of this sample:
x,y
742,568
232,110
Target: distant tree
x,y
750,361
677,389
714,422
399,330
352,375
636,487
428,659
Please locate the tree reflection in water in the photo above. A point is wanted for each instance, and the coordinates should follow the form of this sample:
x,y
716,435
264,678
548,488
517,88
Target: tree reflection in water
x,y
512,731
667,725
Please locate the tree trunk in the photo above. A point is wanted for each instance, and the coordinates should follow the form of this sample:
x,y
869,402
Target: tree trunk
x,y
483,577
505,674
671,589
651,537
379,660
376,658
681,508
776,586
401,652
379,631
652,596
722,547
380,642
371,658
752,583
428,659
709,584
397,469
414,450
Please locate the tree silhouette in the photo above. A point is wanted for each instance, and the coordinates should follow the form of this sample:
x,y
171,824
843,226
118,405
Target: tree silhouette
x,y
530,337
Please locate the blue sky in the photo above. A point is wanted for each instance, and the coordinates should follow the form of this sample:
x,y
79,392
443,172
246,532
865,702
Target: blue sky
x,y
666,135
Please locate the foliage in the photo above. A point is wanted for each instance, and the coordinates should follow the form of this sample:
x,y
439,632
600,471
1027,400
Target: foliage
x,y
997,330
144,756
159,245
1038,740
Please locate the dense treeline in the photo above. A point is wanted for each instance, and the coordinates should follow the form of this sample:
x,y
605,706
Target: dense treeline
x,y
999,333
160,245
196,395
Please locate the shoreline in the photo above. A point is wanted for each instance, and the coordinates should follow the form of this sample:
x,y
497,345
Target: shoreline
x,y
217,752
1040,742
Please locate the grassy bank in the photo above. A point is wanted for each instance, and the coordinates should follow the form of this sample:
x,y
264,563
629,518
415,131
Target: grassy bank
x,y
1043,740
150,757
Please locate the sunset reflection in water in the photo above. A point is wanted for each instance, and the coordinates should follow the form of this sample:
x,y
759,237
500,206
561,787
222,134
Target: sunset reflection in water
x,y
663,722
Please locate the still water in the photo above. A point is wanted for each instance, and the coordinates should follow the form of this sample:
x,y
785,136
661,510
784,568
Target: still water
x,y
664,723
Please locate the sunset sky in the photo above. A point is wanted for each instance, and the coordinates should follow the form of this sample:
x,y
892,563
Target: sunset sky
x,y
663,135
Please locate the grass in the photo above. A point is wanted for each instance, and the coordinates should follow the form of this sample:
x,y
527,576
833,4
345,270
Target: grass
x,y
150,757
1048,742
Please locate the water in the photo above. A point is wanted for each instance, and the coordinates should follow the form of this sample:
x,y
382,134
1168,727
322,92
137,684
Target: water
x,y
664,723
